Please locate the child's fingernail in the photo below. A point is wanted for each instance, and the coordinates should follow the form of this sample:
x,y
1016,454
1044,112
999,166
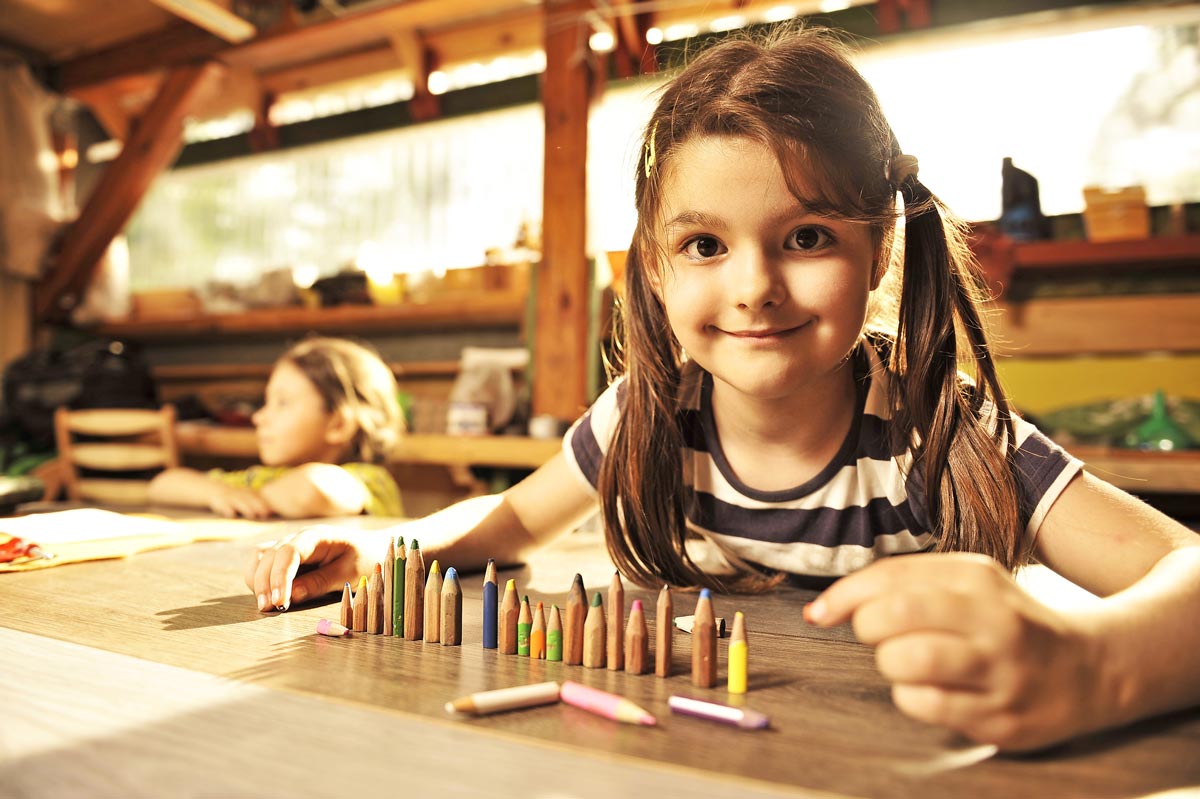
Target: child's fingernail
x,y
275,597
815,612
262,602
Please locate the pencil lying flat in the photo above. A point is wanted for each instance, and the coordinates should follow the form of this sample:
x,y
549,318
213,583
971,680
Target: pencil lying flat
x,y
484,702
686,623
602,703
737,716
332,628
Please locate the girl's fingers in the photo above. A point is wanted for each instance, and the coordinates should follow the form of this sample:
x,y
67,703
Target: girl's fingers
x,y
262,580
933,658
912,610
283,570
970,713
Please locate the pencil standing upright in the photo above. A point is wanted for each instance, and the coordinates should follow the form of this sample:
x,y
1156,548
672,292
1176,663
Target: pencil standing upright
x,y
510,609
594,634
451,609
389,587
554,635
347,617
663,631
704,643
433,604
375,601
414,593
616,624
577,606
635,640
398,589
360,606
537,634
524,628
491,605
738,652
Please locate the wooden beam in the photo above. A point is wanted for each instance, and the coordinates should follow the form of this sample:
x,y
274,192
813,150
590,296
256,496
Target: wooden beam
x,y
1097,325
561,342
151,147
416,56
213,18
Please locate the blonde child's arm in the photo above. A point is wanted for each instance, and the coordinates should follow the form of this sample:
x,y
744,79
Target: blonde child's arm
x,y
192,489
314,490
506,527
966,648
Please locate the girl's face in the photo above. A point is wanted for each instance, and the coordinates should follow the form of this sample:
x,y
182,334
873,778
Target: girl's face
x,y
293,426
766,296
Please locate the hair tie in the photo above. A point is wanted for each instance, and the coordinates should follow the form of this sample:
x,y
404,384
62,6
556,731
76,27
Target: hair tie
x,y
901,168
651,157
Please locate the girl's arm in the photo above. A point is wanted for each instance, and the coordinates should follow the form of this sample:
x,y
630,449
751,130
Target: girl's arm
x,y
192,489
314,490
507,527
966,648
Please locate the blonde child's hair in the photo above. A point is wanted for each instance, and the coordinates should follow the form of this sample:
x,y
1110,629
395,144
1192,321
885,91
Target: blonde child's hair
x,y
352,379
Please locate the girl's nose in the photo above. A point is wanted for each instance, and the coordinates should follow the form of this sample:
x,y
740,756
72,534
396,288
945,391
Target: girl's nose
x,y
757,282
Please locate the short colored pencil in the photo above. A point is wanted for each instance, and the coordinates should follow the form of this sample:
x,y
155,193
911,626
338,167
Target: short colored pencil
x,y
704,643
738,655
433,604
737,716
594,635
332,628
398,589
521,696
375,601
491,605
616,623
537,634
686,623
510,609
602,703
414,593
635,640
360,607
347,617
451,601
389,586
554,635
577,606
524,627
663,633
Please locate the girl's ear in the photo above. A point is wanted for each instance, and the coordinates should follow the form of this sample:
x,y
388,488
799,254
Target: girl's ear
x,y
341,428
882,259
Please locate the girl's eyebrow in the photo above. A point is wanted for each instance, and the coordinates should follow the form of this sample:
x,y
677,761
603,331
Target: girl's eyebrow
x,y
690,219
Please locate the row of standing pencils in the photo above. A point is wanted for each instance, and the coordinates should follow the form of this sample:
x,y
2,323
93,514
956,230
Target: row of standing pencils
x,y
400,600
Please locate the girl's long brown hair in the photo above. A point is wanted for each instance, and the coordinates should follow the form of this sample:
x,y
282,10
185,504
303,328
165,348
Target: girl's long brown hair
x,y
797,93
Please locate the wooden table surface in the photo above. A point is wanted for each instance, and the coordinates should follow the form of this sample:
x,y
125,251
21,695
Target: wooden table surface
x,y
156,676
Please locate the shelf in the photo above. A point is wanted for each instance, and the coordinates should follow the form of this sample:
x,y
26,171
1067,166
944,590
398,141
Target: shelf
x,y
469,311
1158,252
1143,472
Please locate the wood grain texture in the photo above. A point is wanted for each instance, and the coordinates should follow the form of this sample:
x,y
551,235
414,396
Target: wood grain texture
x,y
833,729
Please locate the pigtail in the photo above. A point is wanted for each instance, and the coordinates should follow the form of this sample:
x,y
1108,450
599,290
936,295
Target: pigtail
x,y
963,433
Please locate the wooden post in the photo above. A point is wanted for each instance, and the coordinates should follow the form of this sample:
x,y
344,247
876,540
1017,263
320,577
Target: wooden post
x,y
560,350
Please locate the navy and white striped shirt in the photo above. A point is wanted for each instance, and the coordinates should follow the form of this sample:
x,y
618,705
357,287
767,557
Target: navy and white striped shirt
x,y
860,507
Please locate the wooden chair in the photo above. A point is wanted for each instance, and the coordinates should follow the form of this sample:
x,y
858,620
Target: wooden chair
x,y
118,440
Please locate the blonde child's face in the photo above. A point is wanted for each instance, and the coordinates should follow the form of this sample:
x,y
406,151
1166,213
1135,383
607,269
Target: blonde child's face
x,y
764,295
293,426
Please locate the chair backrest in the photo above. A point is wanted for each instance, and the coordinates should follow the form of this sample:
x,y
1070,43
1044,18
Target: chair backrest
x,y
116,440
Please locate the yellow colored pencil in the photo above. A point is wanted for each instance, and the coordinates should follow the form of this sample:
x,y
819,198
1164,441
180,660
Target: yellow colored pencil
x,y
738,655
433,604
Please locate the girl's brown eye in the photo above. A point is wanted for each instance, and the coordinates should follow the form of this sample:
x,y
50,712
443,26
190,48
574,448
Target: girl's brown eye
x,y
704,247
808,238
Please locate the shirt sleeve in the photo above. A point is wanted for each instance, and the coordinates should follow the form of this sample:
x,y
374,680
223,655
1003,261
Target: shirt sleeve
x,y
383,495
1043,469
586,442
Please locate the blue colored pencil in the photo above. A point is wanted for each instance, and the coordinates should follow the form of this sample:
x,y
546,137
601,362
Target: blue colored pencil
x,y
491,605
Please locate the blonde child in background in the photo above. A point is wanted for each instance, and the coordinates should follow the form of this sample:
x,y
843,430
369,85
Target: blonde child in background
x,y
791,403
330,419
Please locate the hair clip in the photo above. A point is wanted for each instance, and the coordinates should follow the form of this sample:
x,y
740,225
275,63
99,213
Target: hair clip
x,y
651,156
901,168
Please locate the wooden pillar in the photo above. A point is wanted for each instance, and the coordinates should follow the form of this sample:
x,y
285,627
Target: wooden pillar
x,y
561,341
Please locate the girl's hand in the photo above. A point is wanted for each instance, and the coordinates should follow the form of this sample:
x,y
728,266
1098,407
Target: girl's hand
x,y
339,556
233,501
964,647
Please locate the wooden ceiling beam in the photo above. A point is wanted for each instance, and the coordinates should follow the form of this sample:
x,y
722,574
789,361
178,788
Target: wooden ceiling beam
x,y
152,145
210,16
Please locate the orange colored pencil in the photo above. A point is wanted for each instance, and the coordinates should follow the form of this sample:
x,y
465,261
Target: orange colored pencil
x,y
375,601
537,634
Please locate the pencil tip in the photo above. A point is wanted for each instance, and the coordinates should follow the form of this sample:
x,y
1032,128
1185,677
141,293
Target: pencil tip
x,y
597,601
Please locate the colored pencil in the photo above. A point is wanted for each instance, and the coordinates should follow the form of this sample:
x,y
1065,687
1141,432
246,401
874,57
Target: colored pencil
x,y
510,609
573,620
414,593
704,643
375,601
491,607
521,696
686,623
554,635
398,590
738,654
737,716
360,606
332,628
389,586
663,633
347,617
616,624
451,600
537,634
433,604
524,627
635,640
594,635
602,703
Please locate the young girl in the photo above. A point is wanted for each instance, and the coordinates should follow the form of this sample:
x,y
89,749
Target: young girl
x,y
791,404
331,416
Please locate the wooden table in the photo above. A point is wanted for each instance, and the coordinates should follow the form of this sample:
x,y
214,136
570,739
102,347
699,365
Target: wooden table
x,y
156,676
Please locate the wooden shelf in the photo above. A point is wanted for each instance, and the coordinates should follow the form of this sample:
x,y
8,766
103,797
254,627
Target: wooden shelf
x,y
469,311
1136,471
1166,251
